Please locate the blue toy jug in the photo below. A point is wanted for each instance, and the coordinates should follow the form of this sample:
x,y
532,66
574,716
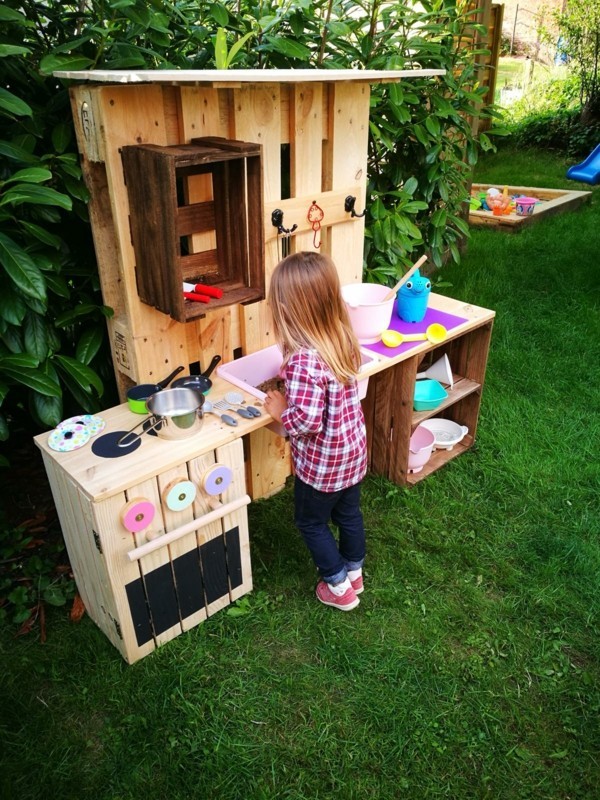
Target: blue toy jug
x,y
413,297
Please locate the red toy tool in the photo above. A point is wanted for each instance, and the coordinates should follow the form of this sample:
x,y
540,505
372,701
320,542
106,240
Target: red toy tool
x,y
202,288
197,298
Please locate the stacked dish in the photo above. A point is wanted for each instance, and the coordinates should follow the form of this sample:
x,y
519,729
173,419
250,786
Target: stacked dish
x,y
446,432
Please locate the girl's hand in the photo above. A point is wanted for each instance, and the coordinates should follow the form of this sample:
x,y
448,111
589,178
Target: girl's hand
x,y
275,404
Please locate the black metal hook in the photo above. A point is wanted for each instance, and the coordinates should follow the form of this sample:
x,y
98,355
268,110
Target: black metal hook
x,y
277,222
349,207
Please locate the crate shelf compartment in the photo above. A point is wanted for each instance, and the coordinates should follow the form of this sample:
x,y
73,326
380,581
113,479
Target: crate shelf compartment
x,y
196,215
462,388
438,459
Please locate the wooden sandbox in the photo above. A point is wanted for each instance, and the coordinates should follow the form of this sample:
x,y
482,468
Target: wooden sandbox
x,y
554,201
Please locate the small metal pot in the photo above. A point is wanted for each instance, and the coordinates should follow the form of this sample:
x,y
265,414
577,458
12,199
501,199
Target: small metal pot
x,y
199,382
137,395
176,414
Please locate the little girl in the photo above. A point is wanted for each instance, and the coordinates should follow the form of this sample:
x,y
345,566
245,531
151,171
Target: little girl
x,y
322,414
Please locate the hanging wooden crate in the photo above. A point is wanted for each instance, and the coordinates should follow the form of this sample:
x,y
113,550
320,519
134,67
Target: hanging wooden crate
x,y
216,242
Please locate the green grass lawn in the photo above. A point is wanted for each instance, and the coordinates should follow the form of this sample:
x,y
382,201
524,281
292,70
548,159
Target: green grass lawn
x,y
471,668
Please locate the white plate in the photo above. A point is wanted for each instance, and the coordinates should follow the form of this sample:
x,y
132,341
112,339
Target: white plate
x,y
447,433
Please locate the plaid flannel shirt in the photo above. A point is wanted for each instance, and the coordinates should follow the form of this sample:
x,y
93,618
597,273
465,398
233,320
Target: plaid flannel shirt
x,y
325,423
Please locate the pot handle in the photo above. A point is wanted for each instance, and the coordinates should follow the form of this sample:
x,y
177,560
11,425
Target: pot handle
x,y
122,443
211,366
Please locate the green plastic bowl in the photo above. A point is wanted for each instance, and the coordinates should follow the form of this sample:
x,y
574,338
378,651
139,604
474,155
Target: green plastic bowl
x,y
428,395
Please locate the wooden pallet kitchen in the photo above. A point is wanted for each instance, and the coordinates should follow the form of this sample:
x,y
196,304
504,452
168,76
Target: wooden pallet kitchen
x,y
228,149
146,581
312,130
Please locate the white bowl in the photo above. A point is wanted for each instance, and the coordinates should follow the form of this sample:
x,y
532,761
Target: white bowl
x,y
369,314
446,432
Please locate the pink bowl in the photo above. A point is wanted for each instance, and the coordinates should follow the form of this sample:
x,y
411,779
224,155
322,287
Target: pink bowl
x,y
420,448
369,313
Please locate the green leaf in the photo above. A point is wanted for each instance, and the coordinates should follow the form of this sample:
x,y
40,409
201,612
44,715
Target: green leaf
x,y
16,153
14,105
235,48
138,14
54,596
89,344
377,209
438,218
21,269
421,135
410,186
433,126
49,410
10,15
61,136
36,195
219,14
12,307
460,223
60,63
35,336
85,377
19,361
12,338
30,175
36,380
73,314
221,49
12,50
378,237
57,285
414,206
4,429
41,234
289,48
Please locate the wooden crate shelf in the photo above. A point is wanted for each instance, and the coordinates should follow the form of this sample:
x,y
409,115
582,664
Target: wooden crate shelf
x,y
217,241
389,404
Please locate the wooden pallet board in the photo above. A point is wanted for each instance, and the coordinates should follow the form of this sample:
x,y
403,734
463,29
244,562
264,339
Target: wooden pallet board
x,y
554,201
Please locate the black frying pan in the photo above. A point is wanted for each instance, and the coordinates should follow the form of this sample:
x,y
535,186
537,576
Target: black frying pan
x,y
199,382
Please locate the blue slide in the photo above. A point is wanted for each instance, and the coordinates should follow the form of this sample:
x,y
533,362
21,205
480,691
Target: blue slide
x,y
589,170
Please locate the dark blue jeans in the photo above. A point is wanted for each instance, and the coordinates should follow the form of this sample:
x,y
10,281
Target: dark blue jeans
x,y
313,510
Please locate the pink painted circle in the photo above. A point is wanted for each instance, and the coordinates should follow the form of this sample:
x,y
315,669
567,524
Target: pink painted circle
x,y
137,515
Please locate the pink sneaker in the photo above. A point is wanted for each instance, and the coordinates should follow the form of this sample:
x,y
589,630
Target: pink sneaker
x,y
357,585
345,602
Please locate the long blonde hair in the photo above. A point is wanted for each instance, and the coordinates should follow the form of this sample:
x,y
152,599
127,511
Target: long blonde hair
x,y
308,311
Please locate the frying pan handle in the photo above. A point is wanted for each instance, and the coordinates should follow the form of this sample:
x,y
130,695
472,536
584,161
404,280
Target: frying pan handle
x,y
122,443
166,381
211,366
